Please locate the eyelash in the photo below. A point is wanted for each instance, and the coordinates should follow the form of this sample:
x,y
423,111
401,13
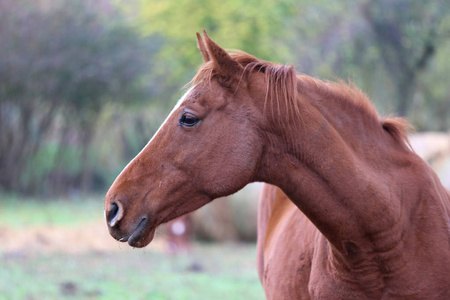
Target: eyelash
x,y
188,120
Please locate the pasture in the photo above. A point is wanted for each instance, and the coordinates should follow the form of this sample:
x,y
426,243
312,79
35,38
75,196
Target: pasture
x,y
60,249
87,83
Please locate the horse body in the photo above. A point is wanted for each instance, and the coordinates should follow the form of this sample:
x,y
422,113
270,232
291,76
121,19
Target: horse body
x,y
360,215
382,214
295,261
284,260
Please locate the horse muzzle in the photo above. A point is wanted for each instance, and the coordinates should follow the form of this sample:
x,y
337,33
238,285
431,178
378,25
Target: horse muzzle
x,y
138,235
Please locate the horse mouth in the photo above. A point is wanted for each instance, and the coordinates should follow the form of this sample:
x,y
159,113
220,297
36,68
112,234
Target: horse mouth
x,y
142,235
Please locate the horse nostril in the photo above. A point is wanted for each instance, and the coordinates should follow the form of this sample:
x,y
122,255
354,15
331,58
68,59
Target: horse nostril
x,y
114,214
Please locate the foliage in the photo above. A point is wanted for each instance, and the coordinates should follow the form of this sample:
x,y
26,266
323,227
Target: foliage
x,y
408,34
236,24
59,67
385,46
433,102
73,76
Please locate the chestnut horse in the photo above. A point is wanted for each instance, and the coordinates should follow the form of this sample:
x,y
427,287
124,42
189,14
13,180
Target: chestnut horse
x,y
367,218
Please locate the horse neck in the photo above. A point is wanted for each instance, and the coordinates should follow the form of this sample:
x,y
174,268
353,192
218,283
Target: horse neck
x,y
376,203
332,163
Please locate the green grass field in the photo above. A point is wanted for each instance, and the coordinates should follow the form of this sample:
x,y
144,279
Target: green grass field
x,y
208,271
25,212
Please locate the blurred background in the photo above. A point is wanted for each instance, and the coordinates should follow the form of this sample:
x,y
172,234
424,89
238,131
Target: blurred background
x,y
85,84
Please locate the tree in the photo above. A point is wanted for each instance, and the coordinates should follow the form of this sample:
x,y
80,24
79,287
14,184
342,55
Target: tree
x,y
63,61
407,34
253,26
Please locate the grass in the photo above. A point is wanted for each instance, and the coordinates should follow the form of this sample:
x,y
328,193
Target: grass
x,y
18,212
208,271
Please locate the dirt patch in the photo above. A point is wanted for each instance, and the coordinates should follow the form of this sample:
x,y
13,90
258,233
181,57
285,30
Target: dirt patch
x,y
92,237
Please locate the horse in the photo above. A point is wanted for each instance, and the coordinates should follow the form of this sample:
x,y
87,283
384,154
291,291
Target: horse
x,y
350,210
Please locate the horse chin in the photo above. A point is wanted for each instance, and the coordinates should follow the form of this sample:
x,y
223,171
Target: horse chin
x,y
142,235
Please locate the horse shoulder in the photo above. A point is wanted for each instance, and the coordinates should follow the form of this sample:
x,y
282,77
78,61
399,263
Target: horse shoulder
x,y
285,246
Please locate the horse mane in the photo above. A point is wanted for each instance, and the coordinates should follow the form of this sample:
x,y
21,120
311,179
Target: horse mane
x,y
283,83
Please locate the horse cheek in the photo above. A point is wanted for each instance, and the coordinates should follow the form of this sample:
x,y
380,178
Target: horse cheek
x,y
243,164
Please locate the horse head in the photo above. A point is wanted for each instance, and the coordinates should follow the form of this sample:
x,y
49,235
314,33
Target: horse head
x,y
209,146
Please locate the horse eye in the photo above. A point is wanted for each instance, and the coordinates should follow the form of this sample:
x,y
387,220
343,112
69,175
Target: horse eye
x,y
188,120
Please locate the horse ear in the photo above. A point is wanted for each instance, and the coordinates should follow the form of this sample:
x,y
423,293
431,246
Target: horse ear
x,y
201,46
223,63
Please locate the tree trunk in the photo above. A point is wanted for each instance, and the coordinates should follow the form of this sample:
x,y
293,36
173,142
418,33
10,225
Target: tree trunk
x,y
86,164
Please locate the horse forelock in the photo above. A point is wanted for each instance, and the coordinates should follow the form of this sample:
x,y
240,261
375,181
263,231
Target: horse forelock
x,y
282,83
